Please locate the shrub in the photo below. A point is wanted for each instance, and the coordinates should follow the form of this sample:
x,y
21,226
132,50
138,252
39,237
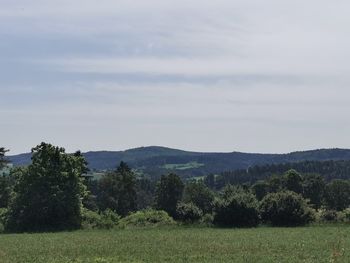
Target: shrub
x,y
207,220
239,209
90,219
346,214
328,216
147,217
199,194
3,216
285,209
188,213
105,220
333,216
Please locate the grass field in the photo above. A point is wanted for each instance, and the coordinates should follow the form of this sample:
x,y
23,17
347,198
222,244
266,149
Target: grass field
x,y
177,244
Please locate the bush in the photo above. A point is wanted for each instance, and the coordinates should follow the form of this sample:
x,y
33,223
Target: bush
x,y
207,220
199,194
147,217
188,213
328,216
285,209
105,220
239,209
333,216
3,217
346,215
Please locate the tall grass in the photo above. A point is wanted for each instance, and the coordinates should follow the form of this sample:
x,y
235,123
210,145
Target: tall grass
x,y
179,244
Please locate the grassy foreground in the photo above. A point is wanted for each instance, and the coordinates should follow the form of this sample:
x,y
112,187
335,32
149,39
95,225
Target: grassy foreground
x,y
177,244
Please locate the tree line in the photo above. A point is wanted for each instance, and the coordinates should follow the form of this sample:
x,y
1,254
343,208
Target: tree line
x,y
54,193
331,169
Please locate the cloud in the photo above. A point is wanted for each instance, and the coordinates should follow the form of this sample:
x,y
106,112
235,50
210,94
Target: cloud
x,y
201,75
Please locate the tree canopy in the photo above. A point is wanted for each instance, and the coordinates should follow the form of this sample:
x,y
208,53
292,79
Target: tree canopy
x,y
169,193
3,161
48,193
117,190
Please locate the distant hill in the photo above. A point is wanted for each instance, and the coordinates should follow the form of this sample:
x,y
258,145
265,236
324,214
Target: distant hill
x,y
329,170
155,160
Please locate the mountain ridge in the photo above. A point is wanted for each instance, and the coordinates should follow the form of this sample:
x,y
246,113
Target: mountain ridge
x,y
156,160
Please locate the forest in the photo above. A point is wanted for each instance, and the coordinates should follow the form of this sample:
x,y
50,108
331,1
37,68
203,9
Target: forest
x,y
55,192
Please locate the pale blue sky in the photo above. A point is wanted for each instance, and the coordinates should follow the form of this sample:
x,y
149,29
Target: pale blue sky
x,y
229,75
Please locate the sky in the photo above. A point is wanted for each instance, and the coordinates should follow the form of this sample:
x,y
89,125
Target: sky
x,y
227,75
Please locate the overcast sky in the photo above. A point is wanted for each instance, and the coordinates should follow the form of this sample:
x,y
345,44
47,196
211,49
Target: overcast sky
x,y
227,75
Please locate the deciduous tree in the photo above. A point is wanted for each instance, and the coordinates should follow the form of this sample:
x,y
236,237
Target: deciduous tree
x,y
48,193
169,193
117,190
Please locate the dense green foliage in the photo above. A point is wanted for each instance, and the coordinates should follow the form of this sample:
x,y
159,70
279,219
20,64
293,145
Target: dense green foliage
x,y
199,194
153,161
57,192
103,220
338,195
181,244
314,189
285,209
145,191
328,169
6,189
188,213
117,190
3,161
169,193
48,193
147,218
236,208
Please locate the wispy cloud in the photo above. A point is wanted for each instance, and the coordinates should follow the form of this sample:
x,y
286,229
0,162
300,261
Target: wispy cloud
x,y
214,75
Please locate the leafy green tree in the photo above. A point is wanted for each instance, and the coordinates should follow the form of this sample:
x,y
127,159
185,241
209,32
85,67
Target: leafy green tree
x,y
6,190
238,208
169,192
83,163
3,161
276,183
260,189
293,181
6,181
337,196
48,193
314,189
117,190
90,199
188,213
145,190
285,208
199,194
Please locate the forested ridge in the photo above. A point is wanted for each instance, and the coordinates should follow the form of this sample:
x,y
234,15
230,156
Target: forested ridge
x,y
57,192
329,170
155,161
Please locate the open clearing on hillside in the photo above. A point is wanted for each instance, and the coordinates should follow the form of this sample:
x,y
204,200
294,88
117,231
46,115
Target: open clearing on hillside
x,y
180,244
182,166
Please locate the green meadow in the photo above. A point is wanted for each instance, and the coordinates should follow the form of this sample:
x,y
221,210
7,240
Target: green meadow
x,y
181,244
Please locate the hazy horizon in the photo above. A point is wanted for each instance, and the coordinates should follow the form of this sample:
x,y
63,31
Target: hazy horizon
x,y
257,76
186,150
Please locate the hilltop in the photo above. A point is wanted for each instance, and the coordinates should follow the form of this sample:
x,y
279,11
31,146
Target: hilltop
x,y
155,160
